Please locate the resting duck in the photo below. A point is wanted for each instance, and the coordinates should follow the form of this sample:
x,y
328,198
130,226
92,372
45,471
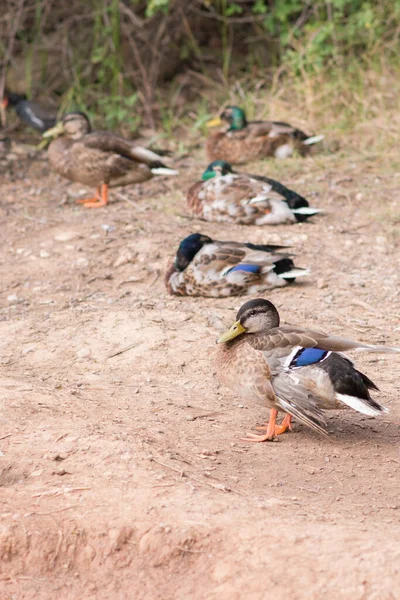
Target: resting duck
x,y
31,113
225,196
291,369
245,141
99,159
206,267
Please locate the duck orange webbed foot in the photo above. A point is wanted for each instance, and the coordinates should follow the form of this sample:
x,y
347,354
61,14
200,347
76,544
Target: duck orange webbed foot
x,y
271,429
85,200
101,198
94,204
251,437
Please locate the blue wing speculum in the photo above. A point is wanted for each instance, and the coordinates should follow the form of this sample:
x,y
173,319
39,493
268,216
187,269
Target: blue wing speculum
x,y
308,356
246,267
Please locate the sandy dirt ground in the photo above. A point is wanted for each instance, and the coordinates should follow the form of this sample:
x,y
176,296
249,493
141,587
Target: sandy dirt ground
x,y
122,474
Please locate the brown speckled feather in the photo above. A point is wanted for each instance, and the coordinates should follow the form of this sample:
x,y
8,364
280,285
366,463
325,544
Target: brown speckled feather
x,y
245,371
193,200
238,198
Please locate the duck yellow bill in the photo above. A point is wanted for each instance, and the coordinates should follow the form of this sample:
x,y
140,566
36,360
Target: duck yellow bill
x,y
54,131
43,144
236,329
214,122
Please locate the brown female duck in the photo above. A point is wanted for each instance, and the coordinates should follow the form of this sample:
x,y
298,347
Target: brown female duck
x,y
99,159
299,371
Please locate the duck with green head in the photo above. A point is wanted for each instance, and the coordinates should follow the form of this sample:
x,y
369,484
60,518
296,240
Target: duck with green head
x,y
225,196
299,371
244,141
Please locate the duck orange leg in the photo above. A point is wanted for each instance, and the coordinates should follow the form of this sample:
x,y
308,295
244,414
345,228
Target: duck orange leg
x,y
284,426
271,428
100,199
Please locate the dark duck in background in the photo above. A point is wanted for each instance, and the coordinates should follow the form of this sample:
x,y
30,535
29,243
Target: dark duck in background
x,y
34,114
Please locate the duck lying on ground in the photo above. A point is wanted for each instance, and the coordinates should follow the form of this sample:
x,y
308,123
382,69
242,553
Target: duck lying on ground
x,y
225,196
206,267
99,159
245,141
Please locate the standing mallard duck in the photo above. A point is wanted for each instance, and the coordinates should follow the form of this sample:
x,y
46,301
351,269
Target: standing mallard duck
x,y
99,159
225,196
286,368
206,267
245,141
33,114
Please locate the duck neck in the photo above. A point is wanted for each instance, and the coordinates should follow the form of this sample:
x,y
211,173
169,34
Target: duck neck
x,y
256,340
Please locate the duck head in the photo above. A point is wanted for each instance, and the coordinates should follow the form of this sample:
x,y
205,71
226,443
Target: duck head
x,y
255,316
233,115
216,168
188,248
73,125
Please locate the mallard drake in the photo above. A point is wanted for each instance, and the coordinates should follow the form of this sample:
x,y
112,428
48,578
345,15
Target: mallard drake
x,y
32,113
245,141
226,196
291,369
206,267
99,159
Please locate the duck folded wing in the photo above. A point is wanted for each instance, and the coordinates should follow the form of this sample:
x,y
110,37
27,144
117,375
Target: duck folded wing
x,y
293,199
299,402
242,189
259,128
286,337
220,253
232,263
235,252
117,145
273,129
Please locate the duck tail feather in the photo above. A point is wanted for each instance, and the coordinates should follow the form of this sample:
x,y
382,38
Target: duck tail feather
x,y
294,273
144,154
306,210
379,349
314,139
361,405
163,171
